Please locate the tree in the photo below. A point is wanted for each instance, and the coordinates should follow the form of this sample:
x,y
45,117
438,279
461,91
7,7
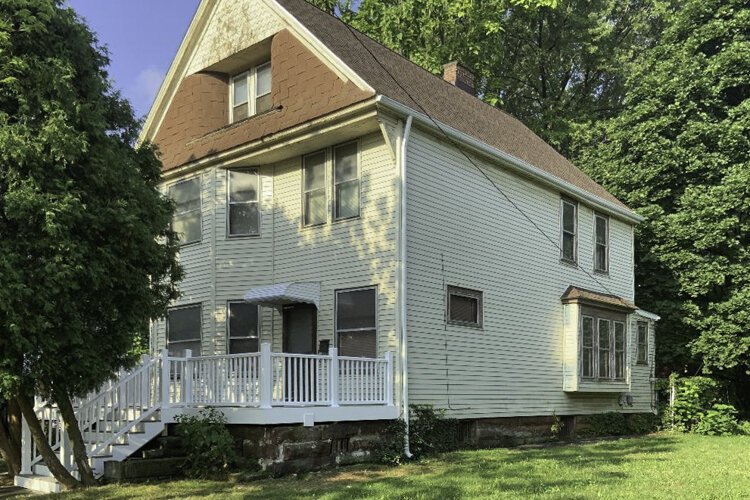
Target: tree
x,y
679,153
550,64
87,257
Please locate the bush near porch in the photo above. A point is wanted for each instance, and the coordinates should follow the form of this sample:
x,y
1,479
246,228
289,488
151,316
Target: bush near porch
x,y
667,465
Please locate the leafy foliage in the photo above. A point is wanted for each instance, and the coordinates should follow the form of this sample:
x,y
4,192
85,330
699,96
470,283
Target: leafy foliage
x,y
87,257
720,420
209,445
429,433
679,153
604,424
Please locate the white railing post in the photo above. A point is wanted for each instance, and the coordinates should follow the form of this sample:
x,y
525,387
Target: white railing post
x,y
26,448
165,378
333,378
145,380
266,375
66,450
389,378
188,398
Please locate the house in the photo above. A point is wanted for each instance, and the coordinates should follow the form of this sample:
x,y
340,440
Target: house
x,y
360,235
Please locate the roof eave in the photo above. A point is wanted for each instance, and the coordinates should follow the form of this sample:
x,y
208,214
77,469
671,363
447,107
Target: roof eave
x,y
513,162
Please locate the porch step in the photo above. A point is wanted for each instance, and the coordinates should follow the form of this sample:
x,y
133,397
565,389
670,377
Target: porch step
x,y
42,484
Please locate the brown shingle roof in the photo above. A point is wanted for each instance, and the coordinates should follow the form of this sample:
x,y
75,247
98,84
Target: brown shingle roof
x,y
576,294
436,97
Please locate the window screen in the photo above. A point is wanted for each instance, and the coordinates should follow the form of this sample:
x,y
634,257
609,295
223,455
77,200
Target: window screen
x,y
243,321
569,231
187,215
346,181
243,210
356,322
184,330
464,306
314,189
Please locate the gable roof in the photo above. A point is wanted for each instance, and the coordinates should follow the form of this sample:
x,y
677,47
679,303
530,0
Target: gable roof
x,y
389,73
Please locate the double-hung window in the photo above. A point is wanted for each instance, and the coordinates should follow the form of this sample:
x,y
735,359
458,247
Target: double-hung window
x,y
315,209
602,345
187,215
464,307
251,92
243,214
569,231
243,329
356,322
601,243
184,330
346,181
642,343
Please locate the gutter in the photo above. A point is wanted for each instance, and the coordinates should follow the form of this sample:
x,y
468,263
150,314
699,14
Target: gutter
x,y
514,163
402,285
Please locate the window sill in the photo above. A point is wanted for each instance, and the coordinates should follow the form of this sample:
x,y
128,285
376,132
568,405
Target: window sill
x,y
190,244
601,385
346,219
569,263
243,236
475,326
601,273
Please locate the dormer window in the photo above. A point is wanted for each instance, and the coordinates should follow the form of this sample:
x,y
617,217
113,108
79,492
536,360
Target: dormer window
x,y
251,92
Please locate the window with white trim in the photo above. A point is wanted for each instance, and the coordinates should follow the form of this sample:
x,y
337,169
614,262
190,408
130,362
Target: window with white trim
x,y
601,243
186,221
346,181
243,327
251,92
315,201
642,343
603,345
464,307
569,231
356,322
184,326
243,211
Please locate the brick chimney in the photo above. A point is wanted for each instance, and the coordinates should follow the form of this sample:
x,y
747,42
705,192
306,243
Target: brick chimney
x,y
459,75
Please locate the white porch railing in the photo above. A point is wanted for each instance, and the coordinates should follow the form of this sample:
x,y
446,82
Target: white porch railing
x,y
266,379
258,381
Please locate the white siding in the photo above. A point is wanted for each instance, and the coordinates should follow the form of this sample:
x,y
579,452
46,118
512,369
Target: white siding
x,y
345,254
465,233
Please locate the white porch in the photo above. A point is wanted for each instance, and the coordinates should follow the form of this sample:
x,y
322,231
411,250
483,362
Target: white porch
x,y
260,388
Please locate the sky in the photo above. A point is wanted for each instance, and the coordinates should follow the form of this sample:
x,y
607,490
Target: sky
x,y
142,37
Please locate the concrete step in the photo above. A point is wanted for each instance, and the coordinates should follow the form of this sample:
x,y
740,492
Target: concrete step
x,y
41,484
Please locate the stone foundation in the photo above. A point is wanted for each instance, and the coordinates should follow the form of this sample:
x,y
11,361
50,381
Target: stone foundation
x,y
283,449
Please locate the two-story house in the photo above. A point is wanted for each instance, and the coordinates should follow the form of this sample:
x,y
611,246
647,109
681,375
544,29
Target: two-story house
x,y
359,235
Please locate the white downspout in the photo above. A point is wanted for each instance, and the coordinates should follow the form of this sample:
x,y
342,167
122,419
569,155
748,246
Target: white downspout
x,y
402,287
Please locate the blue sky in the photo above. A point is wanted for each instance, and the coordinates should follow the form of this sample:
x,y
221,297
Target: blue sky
x,y
142,37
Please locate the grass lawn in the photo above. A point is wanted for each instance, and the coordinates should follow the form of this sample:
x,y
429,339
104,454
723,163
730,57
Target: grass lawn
x,y
659,466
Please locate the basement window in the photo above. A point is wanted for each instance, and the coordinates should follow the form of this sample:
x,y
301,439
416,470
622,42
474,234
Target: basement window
x,y
251,92
464,307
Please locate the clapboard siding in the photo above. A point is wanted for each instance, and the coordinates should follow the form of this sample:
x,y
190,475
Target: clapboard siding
x,y
347,254
463,232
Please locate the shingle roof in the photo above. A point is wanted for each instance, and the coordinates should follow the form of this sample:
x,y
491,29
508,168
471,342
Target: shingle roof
x,y
576,294
436,97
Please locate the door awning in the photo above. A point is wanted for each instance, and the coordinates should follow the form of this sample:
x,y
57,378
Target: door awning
x,y
285,293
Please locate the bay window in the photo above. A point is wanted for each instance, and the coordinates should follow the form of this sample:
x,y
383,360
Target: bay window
x,y
602,345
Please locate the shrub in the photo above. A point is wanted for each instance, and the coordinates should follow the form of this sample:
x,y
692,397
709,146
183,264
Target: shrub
x,y
693,399
429,432
720,420
605,424
208,443
642,423
744,428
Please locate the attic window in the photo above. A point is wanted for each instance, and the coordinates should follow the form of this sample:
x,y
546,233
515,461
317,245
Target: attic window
x,y
251,92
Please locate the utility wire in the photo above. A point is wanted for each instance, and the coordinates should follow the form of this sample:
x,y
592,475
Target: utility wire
x,y
459,148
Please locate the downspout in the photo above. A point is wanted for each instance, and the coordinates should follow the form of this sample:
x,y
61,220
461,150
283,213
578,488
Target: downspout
x,y
402,286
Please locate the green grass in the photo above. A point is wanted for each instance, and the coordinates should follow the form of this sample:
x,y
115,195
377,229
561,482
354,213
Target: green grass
x,y
659,466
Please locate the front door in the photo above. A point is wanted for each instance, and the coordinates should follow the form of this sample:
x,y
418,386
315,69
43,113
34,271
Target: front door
x,y
300,337
300,328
